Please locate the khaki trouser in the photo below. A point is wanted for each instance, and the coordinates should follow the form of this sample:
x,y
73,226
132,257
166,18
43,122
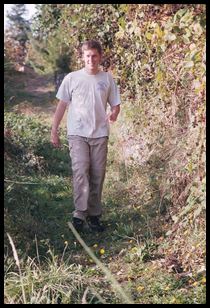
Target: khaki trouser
x,y
88,156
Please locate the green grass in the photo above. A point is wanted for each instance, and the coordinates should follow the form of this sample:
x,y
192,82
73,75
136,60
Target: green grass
x,y
55,267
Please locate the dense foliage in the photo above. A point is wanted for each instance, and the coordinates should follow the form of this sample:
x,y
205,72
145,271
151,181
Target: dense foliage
x,y
157,55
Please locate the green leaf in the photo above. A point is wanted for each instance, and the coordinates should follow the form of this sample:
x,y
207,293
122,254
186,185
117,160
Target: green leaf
x,y
121,22
159,76
148,35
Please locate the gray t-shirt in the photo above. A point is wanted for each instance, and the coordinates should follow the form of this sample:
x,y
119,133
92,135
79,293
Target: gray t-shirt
x,y
87,96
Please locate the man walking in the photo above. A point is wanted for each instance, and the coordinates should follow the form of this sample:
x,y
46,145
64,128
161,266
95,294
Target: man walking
x,y
87,92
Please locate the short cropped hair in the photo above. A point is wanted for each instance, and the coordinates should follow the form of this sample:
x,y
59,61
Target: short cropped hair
x,y
92,44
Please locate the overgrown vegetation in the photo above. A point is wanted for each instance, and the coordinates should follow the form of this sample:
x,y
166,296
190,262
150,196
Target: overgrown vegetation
x,y
154,193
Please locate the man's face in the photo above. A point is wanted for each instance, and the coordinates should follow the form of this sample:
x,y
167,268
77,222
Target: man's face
x,y
92,59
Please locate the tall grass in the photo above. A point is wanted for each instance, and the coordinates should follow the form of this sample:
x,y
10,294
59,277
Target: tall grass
x,y
52,282
56,281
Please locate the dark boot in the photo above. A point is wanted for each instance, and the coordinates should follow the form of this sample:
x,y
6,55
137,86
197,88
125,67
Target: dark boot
x,y
95,224
78,224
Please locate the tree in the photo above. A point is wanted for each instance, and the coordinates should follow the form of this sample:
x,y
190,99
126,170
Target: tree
x,y
49,53
18,32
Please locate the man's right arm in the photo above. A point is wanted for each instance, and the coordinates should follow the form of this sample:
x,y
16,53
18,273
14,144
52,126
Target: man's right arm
x,y
60,110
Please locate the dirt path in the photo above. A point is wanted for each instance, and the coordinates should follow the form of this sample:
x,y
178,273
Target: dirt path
x,y
31,93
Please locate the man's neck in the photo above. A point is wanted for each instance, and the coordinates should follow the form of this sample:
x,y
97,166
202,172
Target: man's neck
x,y
91,72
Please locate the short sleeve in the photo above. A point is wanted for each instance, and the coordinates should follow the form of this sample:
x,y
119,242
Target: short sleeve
x,y
64,91
114,94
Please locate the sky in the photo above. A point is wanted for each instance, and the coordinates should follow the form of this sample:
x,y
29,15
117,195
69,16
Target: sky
x,y
30,8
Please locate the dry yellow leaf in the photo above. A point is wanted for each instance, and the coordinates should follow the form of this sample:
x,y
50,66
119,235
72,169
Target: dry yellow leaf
x,y
140,288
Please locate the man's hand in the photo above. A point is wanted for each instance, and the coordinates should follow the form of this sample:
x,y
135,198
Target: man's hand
x,y
55,139
60,110
112,117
